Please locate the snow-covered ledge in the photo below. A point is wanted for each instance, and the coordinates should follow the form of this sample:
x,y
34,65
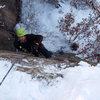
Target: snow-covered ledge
x,y
48,81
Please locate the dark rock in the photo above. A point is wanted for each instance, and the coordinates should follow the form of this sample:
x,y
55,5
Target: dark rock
x,y
6,41
74,46
9,13
8,19
53,2
9,16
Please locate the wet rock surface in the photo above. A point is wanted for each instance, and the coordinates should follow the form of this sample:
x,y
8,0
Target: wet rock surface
x,y
6,41
9,13
9,16
69,59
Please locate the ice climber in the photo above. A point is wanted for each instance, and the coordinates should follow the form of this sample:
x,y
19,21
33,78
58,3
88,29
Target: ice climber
x,y
30,43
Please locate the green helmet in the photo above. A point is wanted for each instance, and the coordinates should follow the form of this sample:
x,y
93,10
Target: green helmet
x,y
21,32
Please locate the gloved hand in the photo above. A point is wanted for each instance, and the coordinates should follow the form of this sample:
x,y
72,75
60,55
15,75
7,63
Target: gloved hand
x,y
22,49
34,50
36,46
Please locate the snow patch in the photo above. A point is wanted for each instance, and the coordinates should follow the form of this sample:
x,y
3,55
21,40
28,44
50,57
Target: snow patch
x,y
2,6
81,82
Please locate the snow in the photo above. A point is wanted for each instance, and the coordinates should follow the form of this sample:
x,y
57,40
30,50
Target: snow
x,y
42,18
2,6
81,82
98,1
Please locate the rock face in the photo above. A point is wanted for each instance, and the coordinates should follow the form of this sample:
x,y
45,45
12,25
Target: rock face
x,y
9,13
6,41
9,19
9,16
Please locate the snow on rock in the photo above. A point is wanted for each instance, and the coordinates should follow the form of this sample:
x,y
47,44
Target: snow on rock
x,y
42,18
81,82
2,6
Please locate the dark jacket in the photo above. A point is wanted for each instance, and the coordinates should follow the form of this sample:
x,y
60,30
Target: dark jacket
x,y
30,43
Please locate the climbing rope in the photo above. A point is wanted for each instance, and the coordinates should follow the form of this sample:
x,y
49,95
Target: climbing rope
x,y
13,63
